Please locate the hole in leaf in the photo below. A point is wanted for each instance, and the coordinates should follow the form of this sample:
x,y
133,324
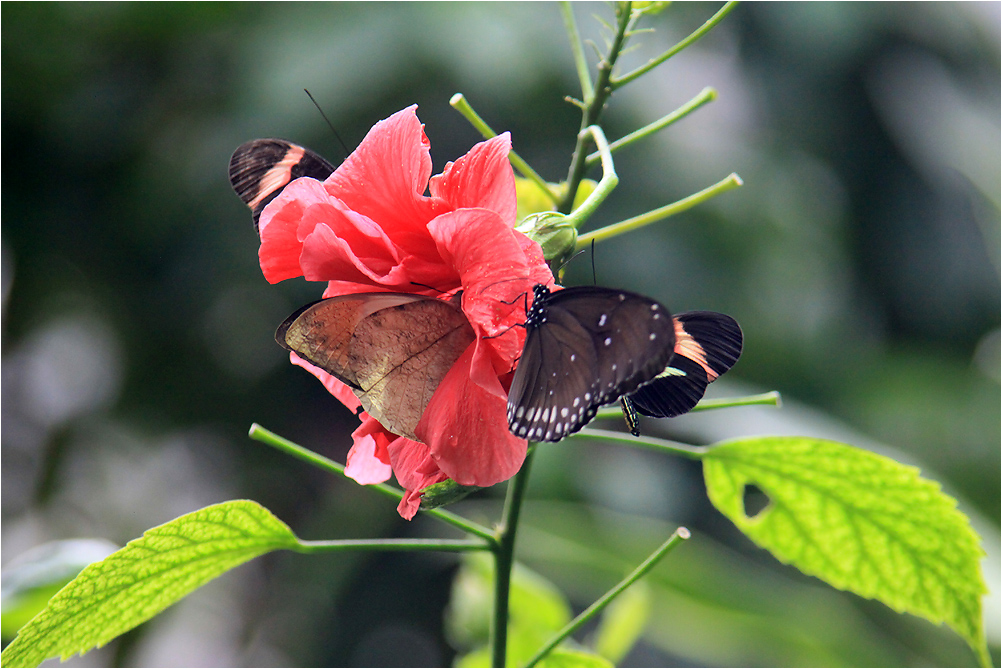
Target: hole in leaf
x,y
754,500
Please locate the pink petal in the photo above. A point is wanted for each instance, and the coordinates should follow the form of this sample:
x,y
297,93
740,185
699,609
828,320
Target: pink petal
x,y
281,228
368,459
482,178
328,254
496,265
386,176
335,387
415,470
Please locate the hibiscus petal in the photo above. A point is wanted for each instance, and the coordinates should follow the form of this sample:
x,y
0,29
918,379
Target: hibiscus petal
x,y
496,266
328,254
415,470
385,178
283,228
368,459
334,386
482,178
466,428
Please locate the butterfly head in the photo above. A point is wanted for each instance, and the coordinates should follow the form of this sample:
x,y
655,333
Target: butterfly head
x,y
536,314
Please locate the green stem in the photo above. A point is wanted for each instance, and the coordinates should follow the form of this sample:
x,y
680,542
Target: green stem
x,y
680,535
460,104
771,398
630,224
504,559
577,49
269,438
452,545
706,95
605,186
652,443
699,32
593,107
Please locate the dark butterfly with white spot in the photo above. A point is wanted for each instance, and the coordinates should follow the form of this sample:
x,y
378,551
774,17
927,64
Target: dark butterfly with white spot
x,y
707,344
261,168
585,346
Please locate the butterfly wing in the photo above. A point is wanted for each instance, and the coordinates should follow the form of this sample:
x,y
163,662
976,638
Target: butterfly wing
x,y
671,393
261,168
392,349
707,344
590,346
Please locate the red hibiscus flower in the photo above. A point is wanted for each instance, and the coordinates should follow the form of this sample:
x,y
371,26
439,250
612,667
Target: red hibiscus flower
x,y
370,227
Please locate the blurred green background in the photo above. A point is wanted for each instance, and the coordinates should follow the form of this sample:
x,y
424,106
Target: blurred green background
x,y
861,259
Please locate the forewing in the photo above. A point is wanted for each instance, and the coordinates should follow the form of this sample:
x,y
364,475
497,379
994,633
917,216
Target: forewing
x,y
711,339
321,332
261,168
707,344
400,355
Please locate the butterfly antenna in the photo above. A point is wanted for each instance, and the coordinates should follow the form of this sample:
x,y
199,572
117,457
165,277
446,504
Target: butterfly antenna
x,y
329,124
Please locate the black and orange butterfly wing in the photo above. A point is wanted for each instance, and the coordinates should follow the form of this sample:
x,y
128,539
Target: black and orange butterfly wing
x,y
261,168
707,344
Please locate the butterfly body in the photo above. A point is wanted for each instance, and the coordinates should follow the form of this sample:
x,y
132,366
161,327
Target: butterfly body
x,y
392,349
585,346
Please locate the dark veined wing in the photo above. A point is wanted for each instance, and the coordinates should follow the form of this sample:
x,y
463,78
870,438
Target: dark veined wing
x,y
707,344
261,168
585,347
392,349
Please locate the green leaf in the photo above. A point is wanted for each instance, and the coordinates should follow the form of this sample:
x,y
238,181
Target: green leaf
x,y
858,521
623,622
149,574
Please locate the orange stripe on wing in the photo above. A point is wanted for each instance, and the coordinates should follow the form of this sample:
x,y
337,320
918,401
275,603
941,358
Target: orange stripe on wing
x,y
278,176
686,346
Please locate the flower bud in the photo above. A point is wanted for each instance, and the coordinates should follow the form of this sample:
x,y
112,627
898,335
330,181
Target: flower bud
x,y
553,231
446,492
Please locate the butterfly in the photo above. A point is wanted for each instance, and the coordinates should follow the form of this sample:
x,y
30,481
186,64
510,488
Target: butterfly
x,y
261,168
707,344
585,346
392,349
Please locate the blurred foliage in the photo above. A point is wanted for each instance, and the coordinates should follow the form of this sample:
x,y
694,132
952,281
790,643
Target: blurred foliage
x,y
861,258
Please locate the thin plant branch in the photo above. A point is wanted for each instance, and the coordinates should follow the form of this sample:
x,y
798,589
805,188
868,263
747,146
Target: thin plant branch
x,y
504,559
605,186
617,82
651,443
708,94
269,438
771,398
577,49
630,224
462,105
450,545
680,535
593,106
